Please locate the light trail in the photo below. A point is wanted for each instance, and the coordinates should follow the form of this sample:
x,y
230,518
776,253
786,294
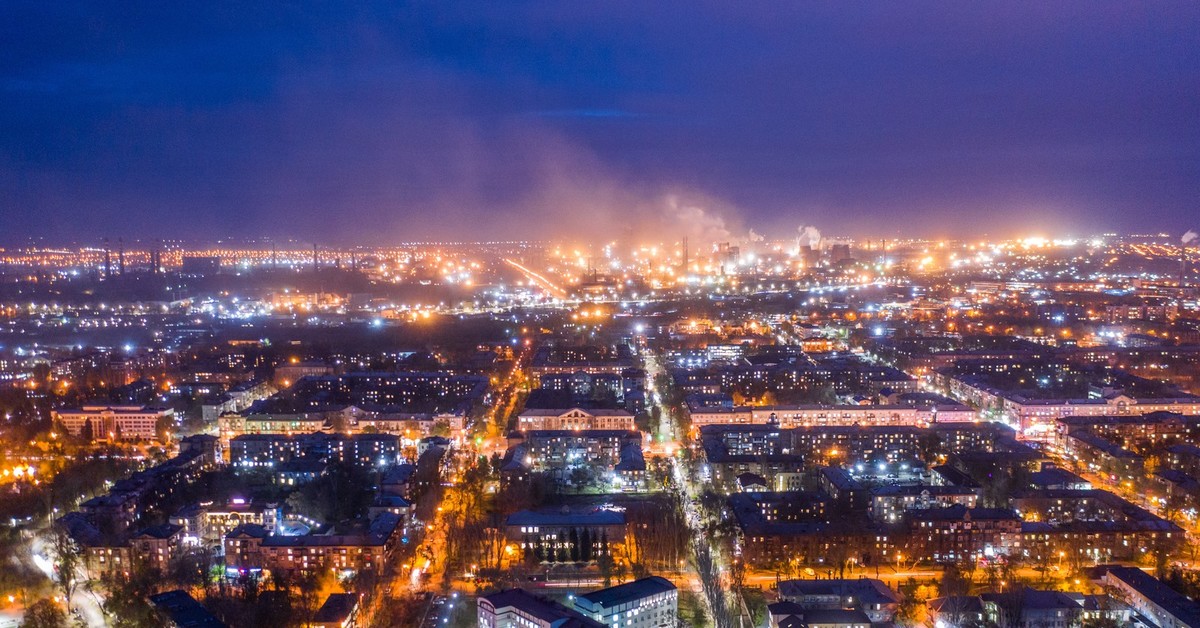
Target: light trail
x,y
541,280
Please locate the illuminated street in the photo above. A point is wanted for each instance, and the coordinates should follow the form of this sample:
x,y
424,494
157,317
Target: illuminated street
x,y
600,315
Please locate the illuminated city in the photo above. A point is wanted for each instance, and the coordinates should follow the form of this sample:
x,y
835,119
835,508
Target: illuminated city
x,y
423,317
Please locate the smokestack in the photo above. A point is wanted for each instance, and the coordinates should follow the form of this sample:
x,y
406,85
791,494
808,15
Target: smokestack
x,y
314,258
107,260
121,256
1184,241
685,255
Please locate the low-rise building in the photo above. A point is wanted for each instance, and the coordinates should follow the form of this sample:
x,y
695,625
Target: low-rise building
x,y
208,522
1151,598
874,598
339,610
959,533
516,608
565,535
114,422
181,610
1029,608
574,419
825,415
892,504
1032,608
250,451
157,546
651,602
250,548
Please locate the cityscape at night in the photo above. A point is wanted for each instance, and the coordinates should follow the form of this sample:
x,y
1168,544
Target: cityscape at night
x,y
562,315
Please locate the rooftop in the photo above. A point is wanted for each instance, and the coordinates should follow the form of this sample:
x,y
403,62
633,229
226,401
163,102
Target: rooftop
x,y
337,607
184,611
595,517
867,590
628,592
1156,591
538,607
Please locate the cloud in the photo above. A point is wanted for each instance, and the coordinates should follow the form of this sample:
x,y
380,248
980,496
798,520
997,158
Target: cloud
x,y
355,121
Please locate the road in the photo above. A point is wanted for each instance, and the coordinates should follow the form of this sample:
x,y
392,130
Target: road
x,y
707,558
87,603
540,280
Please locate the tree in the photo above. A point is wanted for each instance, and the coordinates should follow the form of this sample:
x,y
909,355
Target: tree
x,y
497,463
1011,605
585,546
930,444
737,574
340,494
953,582
44,614
574,542
189,568
127,603
309,584
88,433
605,563
619,572
66,556
580,477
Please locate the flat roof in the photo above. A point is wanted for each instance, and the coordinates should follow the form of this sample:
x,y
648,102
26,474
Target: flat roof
x,y
628,592
183,610
597,517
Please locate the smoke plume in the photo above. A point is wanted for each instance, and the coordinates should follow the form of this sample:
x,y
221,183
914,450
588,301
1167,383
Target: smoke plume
x,y
809,236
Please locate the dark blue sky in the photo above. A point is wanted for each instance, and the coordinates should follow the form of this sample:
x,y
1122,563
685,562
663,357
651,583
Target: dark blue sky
x,y
392,121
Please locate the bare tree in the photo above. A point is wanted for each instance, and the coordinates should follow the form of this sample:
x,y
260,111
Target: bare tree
x,y
66,557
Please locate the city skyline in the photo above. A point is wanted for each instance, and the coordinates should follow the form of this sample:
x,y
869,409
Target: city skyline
x,y
470,314
535,121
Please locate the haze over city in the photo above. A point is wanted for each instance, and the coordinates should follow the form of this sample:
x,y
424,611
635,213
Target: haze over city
x,y
376,122
600,315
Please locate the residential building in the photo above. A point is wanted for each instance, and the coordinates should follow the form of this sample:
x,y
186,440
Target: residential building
x,y
651,602
1151,598
574,419
874,598
516,608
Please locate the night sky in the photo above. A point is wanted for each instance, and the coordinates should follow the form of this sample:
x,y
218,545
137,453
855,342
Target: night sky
x,y
375,122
